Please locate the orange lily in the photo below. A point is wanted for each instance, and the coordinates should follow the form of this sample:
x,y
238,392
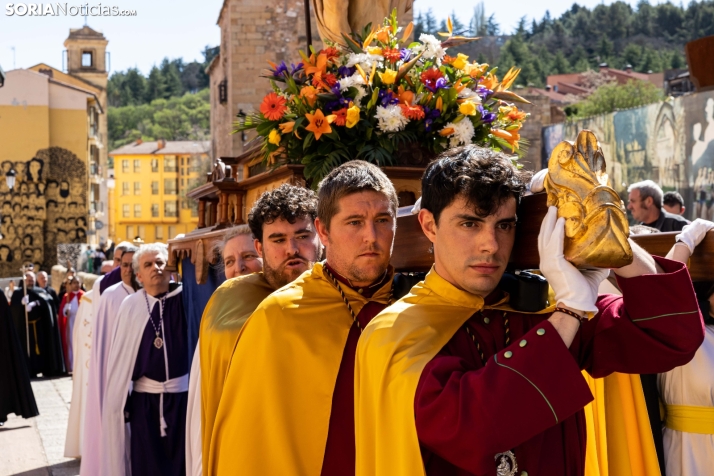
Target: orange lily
x,y
309,93
405,97
516,115
383,35
440,104
319,123
318,65
446,131
407,31
512,137
286,127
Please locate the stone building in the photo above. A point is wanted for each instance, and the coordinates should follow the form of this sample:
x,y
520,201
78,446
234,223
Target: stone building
x,y
86,69
253,32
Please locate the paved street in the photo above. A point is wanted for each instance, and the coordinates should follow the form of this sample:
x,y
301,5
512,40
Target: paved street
x,y
34,447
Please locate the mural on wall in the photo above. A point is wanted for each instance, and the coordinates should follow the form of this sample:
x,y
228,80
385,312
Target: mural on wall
x,y
671,142
47,206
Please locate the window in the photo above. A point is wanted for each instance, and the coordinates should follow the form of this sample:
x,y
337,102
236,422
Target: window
x,y
125,166
185,204
137,165
130,233
154,165
137,210
137,188
223,91
86,59
141,231
154,210
172,232
170,186
170,209
159,231
155,187
170,164
125,188
183,161
125,211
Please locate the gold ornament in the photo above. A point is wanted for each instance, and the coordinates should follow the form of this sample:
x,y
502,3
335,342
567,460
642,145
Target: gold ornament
x,y
596,228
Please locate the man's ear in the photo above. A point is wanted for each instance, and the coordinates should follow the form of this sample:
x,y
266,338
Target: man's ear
x,y
258,247
322,231
681,212
428,224
649,201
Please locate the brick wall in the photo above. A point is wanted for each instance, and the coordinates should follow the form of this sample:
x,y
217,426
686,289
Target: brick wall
x,y
540,117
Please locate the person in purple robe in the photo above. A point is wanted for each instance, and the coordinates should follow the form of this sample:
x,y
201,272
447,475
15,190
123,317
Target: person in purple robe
x,y
147,376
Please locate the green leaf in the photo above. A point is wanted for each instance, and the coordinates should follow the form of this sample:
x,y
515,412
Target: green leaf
x,y
309,138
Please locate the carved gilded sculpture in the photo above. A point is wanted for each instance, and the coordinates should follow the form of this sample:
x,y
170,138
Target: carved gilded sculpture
x,y
596,228
335,17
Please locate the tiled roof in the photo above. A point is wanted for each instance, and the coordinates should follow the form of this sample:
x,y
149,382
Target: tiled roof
x,y
170,147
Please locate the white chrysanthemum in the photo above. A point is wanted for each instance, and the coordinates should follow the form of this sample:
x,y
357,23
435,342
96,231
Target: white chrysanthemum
x,y
361,93
355,81
365,60
463,132
390,118
432,46
468,93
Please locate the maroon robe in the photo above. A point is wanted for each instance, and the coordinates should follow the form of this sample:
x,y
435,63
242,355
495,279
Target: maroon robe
x,y
531,402
340,448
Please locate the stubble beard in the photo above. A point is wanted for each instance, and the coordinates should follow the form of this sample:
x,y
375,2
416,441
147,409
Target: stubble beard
x,y
280,276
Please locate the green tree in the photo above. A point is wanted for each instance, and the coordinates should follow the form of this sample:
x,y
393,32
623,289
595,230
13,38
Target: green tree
x,y
492,26
560,64
613,96
430,24
479,25
155,85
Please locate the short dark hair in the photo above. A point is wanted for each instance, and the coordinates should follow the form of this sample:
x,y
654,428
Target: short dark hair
x,y
289,202
673,198
484,177
352,177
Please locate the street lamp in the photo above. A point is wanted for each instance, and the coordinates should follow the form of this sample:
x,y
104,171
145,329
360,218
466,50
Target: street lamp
x,y
10,178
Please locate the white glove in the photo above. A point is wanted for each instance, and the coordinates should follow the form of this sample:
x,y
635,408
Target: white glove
x,y
573,288
538,180
416,207
25,300
693,234
31,306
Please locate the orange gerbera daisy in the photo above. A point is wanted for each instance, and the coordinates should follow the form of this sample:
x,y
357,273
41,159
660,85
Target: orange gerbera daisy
x,y
414,113
340,116
319,123
391,54
273,107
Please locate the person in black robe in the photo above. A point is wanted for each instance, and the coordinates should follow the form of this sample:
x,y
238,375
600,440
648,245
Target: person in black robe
x,y
42,282
15,390
45,342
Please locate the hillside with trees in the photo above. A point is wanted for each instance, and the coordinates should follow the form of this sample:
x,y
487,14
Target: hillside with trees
x,y
647,37
171,102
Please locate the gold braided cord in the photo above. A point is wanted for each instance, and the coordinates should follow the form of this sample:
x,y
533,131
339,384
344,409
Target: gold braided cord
x,y
507,332
344,298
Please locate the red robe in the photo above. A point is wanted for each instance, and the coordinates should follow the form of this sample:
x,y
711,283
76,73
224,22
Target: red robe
x,y
63,321
340,448
531,402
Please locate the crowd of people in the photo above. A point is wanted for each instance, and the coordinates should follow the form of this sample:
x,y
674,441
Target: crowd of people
x,y
315,358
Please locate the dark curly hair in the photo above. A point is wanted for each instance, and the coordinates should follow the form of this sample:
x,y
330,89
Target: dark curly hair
x,y
484,177
289,202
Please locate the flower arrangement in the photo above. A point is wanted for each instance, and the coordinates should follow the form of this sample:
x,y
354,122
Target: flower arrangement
x,y
376,95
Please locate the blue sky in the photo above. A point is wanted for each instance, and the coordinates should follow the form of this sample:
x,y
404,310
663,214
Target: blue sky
x,y
181,28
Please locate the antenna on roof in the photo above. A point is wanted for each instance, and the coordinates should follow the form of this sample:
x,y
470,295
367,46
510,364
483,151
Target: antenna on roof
x,y
85,18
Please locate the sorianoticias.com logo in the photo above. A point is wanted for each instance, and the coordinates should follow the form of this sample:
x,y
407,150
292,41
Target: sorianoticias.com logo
x,y
64,9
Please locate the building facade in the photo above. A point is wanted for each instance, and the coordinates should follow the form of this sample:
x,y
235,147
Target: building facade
x,y
253,32
47,127
150,184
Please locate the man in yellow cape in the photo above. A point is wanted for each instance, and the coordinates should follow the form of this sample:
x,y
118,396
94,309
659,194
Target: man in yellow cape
x,y
282,224
288,397
451,381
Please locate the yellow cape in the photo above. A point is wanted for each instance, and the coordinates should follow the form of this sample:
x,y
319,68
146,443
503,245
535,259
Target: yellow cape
x,y
226,312
278,391
391,355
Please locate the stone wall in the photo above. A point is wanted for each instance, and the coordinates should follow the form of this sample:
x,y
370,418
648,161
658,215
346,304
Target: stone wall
x,y
539,118
253,32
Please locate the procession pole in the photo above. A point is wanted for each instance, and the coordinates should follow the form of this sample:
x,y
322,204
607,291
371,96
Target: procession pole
x,y
27,319
308,26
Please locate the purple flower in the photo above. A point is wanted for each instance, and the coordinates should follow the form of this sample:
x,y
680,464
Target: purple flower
x,y
386,98
280,70
338,103
430,115
440,83
345,72
483,92
405,54
486,117
295,67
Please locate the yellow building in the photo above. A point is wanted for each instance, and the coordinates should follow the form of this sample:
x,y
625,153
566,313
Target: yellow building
x,y
150,184
48,128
